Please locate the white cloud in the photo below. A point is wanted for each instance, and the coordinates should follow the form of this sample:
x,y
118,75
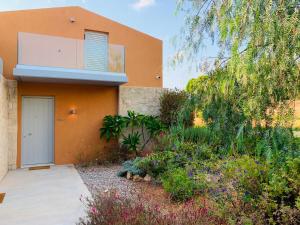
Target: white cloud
x,y
140,4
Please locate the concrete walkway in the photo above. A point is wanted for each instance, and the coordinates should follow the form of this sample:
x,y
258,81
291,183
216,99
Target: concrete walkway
x,y
42,197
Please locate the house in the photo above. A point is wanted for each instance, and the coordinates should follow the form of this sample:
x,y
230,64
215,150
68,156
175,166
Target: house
x,y
64,69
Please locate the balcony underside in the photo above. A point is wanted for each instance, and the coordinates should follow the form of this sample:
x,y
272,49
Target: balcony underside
x,y
63,75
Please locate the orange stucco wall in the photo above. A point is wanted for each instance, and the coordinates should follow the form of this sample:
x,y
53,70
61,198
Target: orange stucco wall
x,y
143,52
79,133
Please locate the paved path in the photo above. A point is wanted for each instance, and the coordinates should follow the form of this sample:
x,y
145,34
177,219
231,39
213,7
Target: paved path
x,y
42,197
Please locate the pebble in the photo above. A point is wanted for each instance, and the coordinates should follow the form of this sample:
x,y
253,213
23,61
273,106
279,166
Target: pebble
x,y
104,179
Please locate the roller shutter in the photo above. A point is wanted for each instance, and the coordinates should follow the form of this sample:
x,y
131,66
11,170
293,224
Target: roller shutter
x,y
96,51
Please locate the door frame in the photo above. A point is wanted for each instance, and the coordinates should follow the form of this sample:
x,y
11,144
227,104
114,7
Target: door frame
x,y
22,127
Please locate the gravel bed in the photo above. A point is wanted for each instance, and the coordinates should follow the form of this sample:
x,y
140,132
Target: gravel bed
x,y
104,179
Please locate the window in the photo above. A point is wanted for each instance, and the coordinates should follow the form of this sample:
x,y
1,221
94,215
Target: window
x,y
96,51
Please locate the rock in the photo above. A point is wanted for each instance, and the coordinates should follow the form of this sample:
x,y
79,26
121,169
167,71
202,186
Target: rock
x,y
147,178
137,178
129,175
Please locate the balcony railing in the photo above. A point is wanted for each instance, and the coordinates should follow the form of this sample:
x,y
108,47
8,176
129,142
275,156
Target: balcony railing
x,y
53,51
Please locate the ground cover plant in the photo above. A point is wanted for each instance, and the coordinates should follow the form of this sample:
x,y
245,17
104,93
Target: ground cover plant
x,y
113,209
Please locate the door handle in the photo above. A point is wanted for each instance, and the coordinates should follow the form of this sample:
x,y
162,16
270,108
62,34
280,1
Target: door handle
x,y
29,134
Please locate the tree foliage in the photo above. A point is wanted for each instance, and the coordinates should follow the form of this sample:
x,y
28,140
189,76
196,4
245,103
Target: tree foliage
x,y
174,107
259,42
196,83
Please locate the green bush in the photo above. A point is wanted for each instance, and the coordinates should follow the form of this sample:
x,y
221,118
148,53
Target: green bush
x,y
178,184
275,145
172,103
293,173
155,164
179,157
284,182
248,174
197,135
163,142
130,166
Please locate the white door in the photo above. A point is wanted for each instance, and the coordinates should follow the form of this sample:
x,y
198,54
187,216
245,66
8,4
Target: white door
x,y
96,51
37,130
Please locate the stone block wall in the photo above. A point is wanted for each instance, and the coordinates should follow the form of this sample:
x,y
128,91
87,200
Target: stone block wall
x,y
3,127
8,124
144,100
12,123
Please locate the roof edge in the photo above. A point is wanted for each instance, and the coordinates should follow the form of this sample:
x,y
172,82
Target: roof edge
x,y
81,8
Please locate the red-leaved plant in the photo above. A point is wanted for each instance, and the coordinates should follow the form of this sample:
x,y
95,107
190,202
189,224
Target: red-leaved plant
x,y
112,209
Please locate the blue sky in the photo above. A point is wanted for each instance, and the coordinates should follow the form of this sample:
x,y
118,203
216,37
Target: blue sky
x,y
155,17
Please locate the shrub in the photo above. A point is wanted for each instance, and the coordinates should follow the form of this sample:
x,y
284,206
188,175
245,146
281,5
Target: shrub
x,y
155,164
248,174
112,209
172,103
262,193
163,142
284,183
130,166
197,135
179,157
190,153
275,145
179,184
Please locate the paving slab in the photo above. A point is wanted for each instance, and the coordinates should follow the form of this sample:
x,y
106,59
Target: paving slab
x,y
43,197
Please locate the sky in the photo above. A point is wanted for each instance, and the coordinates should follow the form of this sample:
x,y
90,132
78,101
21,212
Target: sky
x,y
154,17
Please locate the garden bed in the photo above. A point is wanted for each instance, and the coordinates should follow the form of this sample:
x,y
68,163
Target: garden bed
x,y
101,179
117,200
104,178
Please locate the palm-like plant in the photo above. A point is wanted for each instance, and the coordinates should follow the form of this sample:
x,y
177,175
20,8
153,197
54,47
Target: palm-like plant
x,y
143,128
112,127
153,127
132,141
133,120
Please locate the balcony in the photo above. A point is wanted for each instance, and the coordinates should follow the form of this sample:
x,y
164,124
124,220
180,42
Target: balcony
x,y
44,58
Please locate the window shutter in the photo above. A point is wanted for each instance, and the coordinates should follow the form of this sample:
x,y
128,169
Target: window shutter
x,y
96,51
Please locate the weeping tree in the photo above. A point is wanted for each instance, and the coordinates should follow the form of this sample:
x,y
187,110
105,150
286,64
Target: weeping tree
x,y
255,76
